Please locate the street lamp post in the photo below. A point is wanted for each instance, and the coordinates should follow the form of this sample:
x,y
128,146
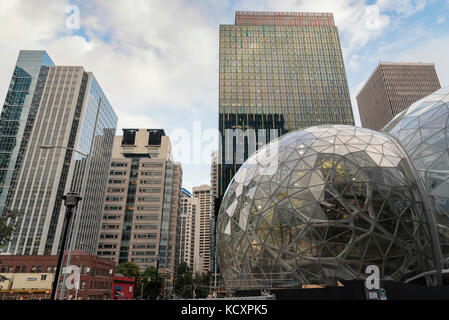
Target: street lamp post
x,y
158,259
76,224
71,200
141,291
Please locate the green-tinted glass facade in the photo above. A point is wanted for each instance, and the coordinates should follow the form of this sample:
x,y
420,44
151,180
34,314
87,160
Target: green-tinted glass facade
x,y
278,72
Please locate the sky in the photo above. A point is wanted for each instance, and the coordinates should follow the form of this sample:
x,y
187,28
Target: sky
x,y
157,60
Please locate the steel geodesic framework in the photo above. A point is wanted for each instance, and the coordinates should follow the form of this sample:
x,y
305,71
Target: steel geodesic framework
x,y
423,130
320,205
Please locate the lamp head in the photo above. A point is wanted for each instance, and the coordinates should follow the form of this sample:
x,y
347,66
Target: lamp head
x,y
71,199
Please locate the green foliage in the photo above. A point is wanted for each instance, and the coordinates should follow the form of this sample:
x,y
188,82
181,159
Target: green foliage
x,y
152,283
201,284
186,284
186,292
184,281
8,223
130,269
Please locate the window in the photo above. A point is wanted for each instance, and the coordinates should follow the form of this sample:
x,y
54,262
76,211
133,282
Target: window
x,y
44,277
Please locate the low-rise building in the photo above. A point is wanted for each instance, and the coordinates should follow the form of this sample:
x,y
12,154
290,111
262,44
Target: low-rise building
x,y
31,277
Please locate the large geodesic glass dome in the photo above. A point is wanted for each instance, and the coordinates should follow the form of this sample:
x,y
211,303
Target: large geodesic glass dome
x,y
320,205
423,130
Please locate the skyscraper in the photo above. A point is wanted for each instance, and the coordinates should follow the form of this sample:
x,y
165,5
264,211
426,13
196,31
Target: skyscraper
x,y
278,72
188,212
71,117
18,113
214,206
202,229
142,205
392,88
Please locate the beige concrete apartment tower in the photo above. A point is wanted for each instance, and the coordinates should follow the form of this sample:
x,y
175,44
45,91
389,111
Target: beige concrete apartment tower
x,y
141,212
202,257
189,207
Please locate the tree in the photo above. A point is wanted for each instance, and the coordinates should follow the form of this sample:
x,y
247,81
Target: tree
x,y
8,224
201,284
184,281
130,269
153,287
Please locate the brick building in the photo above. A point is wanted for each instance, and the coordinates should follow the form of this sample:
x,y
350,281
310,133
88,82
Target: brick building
x,y
96,278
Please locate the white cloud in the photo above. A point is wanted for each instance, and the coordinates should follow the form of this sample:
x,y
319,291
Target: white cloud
x,y
402,7
132,120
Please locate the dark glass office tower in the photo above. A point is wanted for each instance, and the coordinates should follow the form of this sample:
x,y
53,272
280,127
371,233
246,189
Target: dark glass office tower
x,y
278,72
18,113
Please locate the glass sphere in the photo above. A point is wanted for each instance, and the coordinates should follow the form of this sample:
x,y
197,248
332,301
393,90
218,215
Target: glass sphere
x,y
320,205
423,130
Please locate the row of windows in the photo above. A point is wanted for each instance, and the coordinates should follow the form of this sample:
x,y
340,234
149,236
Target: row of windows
x,y
151,181
152,165
148,208
117,173
112,208
151,173
150,190
118,165
145,236
149,199
147,217
143,253
146,226
108,236
114,181
111,217
309,30
114,198
51,269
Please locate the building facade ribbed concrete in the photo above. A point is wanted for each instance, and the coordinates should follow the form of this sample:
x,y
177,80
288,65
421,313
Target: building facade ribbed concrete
x,y
142,208
72,117
393,87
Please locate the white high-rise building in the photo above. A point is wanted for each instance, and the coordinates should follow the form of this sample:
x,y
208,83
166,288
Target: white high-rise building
x,y
64,143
